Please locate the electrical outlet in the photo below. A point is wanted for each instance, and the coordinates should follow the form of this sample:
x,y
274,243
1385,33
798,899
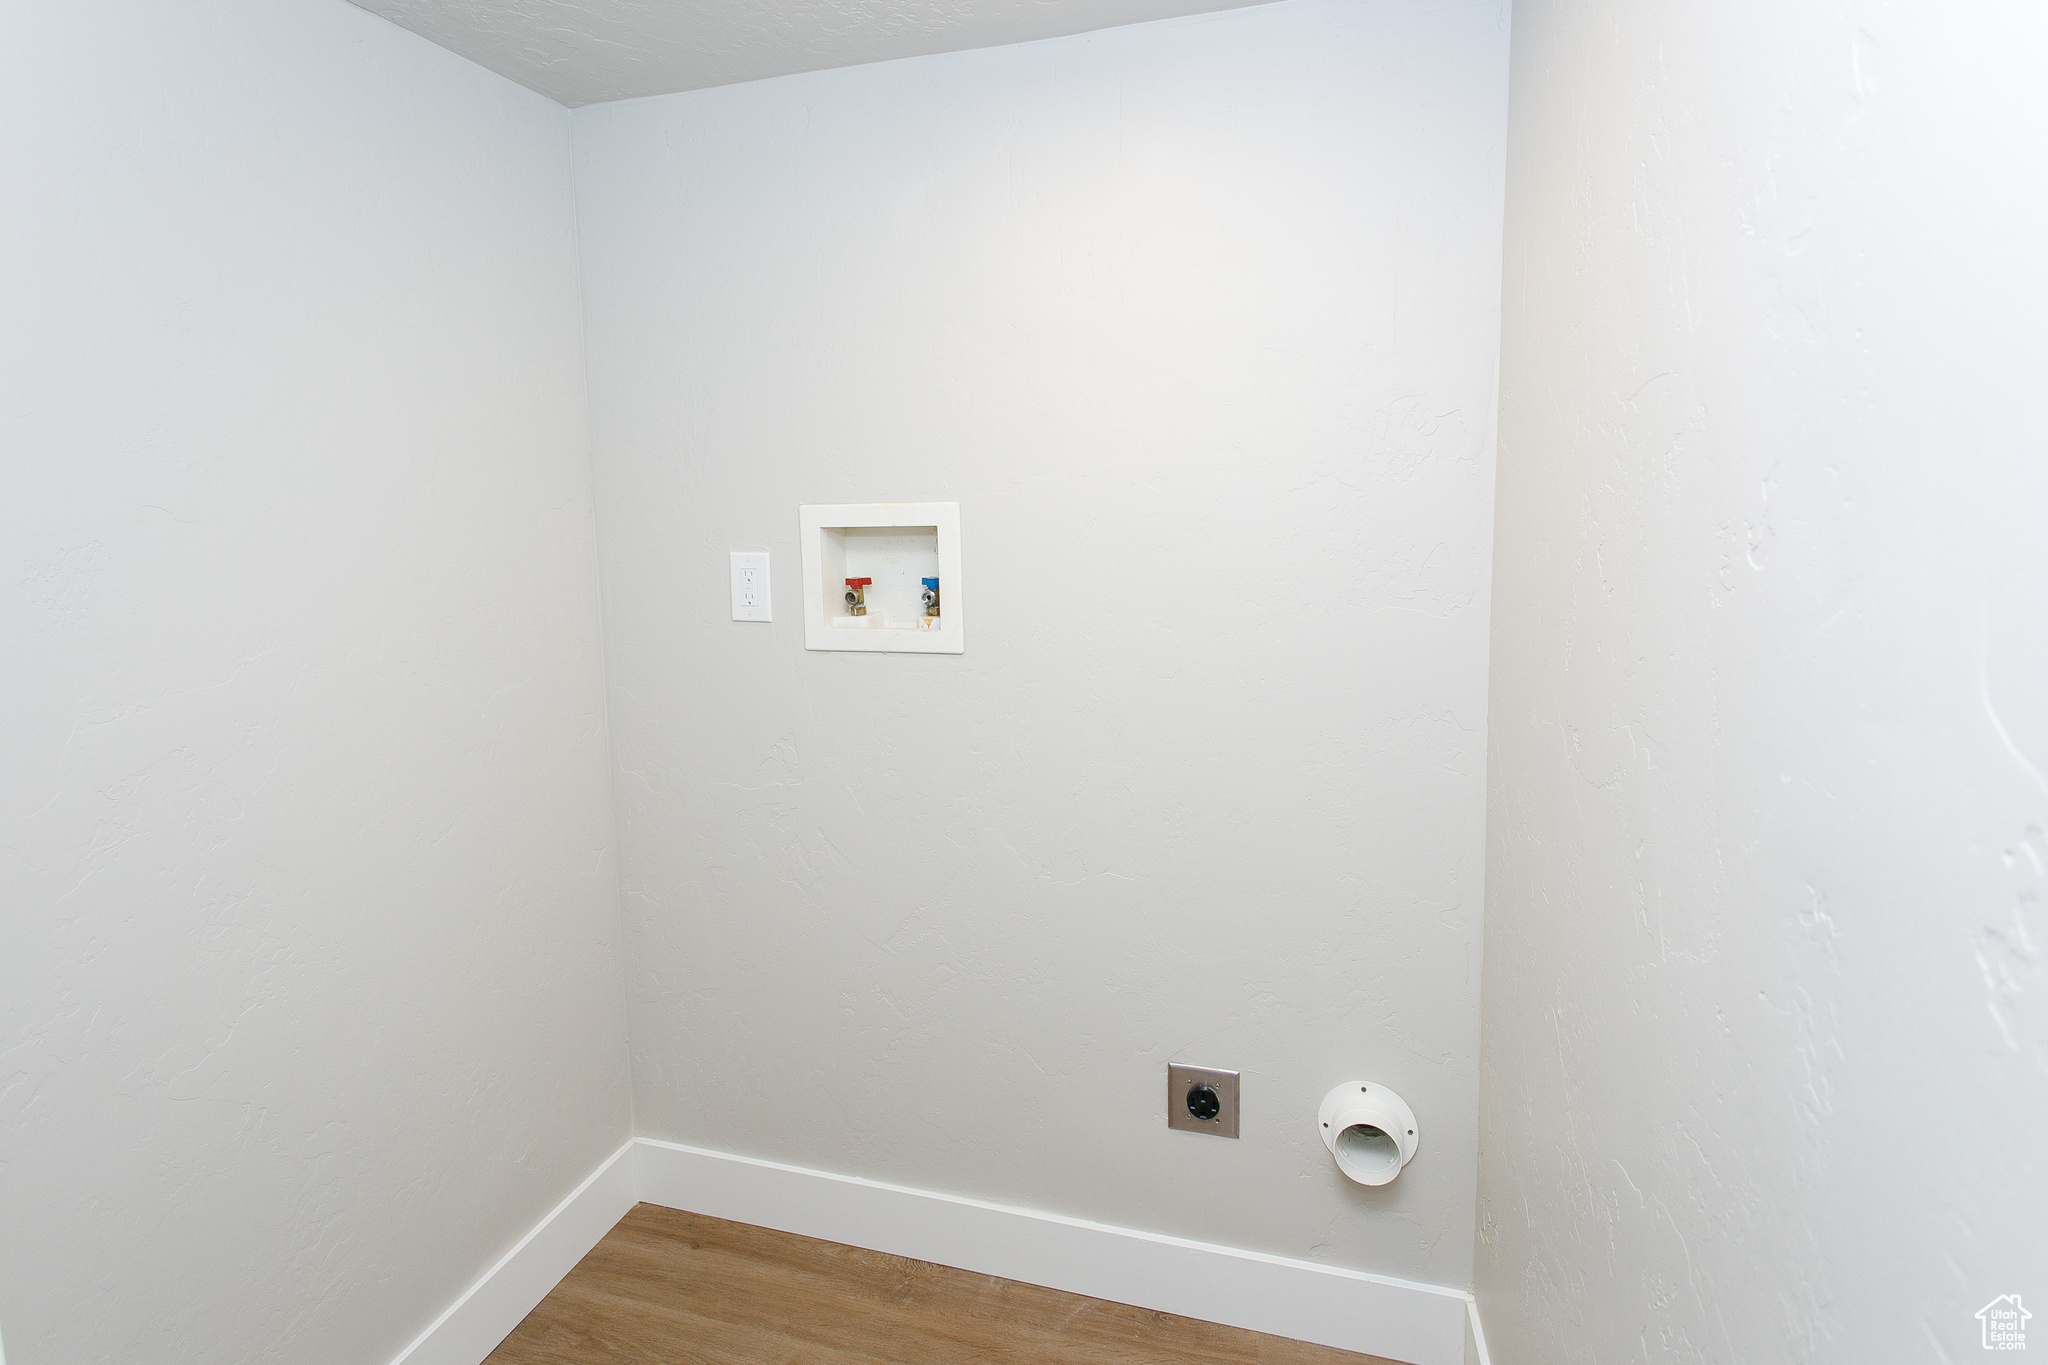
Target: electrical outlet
x,y
749,586
1201,1099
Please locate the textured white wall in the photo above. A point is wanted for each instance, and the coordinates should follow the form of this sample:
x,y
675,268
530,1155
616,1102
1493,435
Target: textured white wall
x,y
1766,1021
310,982
1197,322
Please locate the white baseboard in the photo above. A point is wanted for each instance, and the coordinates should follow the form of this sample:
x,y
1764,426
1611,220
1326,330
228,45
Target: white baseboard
x,y
1400,1320
1475,1336
1420,1324
489,1309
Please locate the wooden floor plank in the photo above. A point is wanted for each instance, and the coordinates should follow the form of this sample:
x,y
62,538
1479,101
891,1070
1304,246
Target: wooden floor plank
x,y
666,1287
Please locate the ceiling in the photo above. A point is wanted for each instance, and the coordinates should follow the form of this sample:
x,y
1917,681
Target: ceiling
x,y
588,51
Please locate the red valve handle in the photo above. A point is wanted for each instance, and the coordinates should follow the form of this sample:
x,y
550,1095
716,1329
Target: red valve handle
x,y
858,582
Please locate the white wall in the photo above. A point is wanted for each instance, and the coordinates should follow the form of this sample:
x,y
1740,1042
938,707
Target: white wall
x,y
1766,1020
1197,322
309,967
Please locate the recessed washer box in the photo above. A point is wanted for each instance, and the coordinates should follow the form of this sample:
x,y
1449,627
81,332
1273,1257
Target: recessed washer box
x,y
896,547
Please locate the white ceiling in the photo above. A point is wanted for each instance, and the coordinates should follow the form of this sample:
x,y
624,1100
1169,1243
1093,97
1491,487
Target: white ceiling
x,y
588,51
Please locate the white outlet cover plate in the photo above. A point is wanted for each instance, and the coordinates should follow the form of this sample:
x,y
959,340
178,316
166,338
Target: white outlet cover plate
x,y
895,538
750,600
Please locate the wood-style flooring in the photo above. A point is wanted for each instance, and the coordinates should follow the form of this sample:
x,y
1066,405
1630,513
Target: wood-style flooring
x,y
672,1288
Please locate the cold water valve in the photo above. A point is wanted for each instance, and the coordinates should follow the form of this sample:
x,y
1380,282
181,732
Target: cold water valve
x,y
930,597
857,596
